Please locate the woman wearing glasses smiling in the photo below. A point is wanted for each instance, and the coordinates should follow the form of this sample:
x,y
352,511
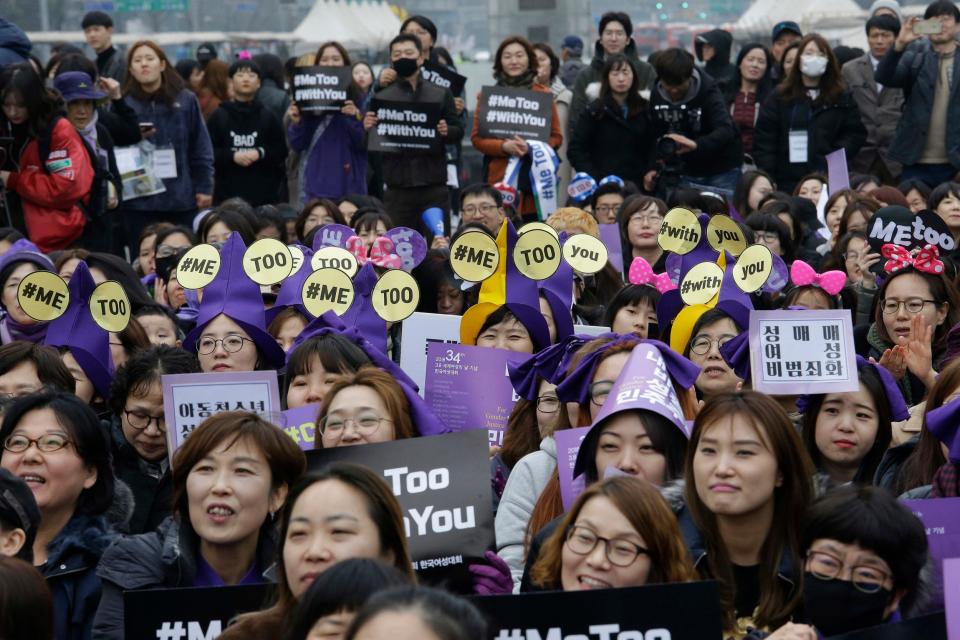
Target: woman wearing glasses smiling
x,y
365,407
619,533
56,444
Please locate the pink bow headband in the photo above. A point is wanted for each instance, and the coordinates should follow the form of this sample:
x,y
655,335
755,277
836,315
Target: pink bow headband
x,y
380,254
927,259
832,282
642,273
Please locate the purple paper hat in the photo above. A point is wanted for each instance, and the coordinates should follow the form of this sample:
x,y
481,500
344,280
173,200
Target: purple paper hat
x,y
510,288
291,291
236,296
548,364
736,353
644,384
361,313
76,330
424,419
25,251
898,407
576,386
558,292
944,423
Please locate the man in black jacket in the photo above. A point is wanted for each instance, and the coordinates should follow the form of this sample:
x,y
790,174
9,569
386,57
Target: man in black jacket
x,y
415,180
249,147
695,135
98,30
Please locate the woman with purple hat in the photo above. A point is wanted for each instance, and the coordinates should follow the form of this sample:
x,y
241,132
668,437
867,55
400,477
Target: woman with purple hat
x,y
710,332
230,334
22,259
847,434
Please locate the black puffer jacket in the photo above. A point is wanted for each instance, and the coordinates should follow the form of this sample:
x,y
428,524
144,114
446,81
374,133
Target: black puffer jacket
x,y
606,141
829,127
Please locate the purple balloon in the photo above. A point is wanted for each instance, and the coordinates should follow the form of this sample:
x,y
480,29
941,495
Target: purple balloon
x,y
409,245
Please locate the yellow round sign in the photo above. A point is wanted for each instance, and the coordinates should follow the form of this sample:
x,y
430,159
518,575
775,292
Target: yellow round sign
x,y
327,289
198,267
753,268
43,296
537,254
724,234
396,295
474,256
701,283
530,226
267,261
335,258
110,307
680,231
296,254
585,253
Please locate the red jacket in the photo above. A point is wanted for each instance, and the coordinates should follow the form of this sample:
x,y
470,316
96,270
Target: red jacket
x,y
50,198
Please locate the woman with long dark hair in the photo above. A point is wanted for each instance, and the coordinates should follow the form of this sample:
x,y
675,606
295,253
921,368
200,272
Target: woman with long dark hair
x,y
170,120
332,144
44,194
809,115
613,136
752,84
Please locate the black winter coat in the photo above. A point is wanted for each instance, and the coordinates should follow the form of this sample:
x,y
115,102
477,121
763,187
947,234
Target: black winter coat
x,y
244,126
606,142
704,118
829,127
150,483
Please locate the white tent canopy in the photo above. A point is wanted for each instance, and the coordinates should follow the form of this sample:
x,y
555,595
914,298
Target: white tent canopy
x,y
363,23
809,14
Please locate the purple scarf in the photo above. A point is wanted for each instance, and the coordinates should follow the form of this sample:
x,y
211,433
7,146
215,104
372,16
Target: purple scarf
x,y
11,330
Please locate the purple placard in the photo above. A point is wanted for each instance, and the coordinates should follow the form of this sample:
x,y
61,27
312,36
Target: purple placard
x,y
409,245
795,352
332,235
951,596
301,424
191,398
468,387
568,444
610,235
838,177
941,519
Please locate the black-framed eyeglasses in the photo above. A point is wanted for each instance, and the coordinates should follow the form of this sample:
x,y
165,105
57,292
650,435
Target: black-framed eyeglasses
x,y
621,553
548,404
46,443
365,423
826,566
599,392
701,344
485,209
912,305
139,420
231,344
606,208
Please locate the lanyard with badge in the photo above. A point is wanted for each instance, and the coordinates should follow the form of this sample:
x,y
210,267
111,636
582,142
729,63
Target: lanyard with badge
x,y
797,141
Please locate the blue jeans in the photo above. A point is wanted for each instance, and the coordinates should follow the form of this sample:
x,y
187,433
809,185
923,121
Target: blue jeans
x,y
723,184
931,174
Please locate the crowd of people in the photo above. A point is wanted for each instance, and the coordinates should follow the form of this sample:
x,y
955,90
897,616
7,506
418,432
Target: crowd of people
x,y
114,168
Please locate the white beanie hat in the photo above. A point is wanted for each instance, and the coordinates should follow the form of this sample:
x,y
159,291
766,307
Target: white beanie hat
x,y
893,5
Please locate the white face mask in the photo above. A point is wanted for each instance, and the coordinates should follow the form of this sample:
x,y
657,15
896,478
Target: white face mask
x,y
813,66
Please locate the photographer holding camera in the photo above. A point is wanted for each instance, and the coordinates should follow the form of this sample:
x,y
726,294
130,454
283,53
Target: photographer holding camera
x,y
697,142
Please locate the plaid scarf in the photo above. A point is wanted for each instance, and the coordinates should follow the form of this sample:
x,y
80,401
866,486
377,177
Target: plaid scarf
x,y
946,482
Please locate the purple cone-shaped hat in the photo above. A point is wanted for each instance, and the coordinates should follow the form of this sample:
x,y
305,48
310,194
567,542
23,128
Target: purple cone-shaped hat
x,y
424,419
558,292
76,330
236,296
291,291
361,313
644,384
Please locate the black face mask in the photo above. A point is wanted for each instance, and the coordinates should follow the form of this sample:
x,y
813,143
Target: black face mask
x,y
405,67
836,606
